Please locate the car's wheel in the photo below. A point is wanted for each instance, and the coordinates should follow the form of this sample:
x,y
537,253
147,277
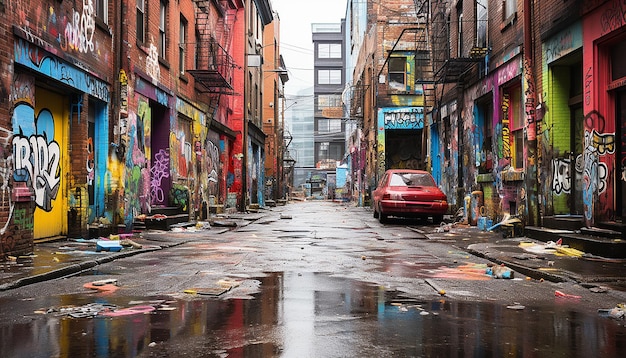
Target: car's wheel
x,y
382,218
437,219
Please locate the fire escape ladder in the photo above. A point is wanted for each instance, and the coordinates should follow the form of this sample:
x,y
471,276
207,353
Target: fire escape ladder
x,y
424,73
448,68
213,70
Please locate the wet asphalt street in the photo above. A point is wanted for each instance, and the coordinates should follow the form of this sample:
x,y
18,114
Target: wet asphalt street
x,y
310,279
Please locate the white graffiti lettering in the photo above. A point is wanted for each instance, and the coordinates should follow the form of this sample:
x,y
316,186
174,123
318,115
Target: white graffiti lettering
x,y
561,178
37,163
152,63
79,32
404,120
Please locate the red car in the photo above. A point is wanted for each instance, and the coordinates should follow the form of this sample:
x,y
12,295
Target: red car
x,y
409,193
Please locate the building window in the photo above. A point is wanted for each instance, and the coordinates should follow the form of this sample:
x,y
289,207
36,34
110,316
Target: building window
x,y
460,37
510,8
328,105
397,73
331,125
162,29
182,39
102,10
328,101
141,21
481,23
329,77
328,50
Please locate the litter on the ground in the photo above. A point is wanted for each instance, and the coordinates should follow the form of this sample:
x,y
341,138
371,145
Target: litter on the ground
x,y
107,285
558,293
129,311
617,312
516,307
500,271
108,245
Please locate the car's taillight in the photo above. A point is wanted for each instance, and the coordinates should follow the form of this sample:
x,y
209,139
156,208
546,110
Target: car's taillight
x,y
386,196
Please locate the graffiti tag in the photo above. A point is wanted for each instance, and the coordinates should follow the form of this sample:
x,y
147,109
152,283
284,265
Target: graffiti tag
x,y
37,163
79,32
561,178
159,171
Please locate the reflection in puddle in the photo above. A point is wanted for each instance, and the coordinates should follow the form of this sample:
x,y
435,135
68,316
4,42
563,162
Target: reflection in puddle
x,y
306,315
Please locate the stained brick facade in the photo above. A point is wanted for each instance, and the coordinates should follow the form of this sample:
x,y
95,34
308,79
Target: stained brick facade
x,y
108,121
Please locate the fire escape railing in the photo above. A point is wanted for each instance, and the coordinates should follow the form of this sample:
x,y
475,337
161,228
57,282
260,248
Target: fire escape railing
x,y
213,70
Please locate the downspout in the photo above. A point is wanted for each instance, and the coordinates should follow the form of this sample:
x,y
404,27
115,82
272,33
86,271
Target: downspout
x,y
532,200
246,98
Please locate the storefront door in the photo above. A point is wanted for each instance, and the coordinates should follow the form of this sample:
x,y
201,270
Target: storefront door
x,y
49,165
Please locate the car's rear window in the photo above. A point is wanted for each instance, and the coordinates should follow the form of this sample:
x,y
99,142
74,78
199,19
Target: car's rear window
x,y
411,179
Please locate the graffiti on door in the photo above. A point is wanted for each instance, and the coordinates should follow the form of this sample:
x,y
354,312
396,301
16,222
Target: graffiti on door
x,y
36,154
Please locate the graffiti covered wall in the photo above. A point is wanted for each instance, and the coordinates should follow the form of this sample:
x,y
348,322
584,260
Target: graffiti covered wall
x,y
598,158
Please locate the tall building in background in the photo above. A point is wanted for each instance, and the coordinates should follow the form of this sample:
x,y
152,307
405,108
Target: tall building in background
x,y
300,128
329,79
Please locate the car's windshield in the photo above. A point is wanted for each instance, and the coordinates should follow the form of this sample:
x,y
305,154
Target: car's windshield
x,y
410,179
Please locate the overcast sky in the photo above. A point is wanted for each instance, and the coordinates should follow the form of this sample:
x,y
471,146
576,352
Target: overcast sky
x,y
296,17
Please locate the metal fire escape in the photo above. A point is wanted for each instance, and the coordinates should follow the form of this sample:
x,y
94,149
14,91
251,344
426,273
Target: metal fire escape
x,y
424,76
449,69
213,64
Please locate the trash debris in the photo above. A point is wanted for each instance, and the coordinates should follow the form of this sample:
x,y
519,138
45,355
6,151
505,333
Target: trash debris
x,y
618,312
86,311
107,285
129,311
108,245
499,271
558,293
443,227
223,287
516,307
130,243
598,289
511,227
203,225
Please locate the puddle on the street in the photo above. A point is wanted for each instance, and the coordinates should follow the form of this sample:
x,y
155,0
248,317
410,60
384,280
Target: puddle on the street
x,y
304,315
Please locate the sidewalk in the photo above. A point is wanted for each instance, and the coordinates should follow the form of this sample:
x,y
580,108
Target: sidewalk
x,y
550,261
66,257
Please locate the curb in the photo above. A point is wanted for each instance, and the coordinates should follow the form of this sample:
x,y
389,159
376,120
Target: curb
x,y
79,267
536,274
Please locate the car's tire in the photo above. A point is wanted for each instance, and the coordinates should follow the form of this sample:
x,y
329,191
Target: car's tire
x,y
376,215
383,218
437,219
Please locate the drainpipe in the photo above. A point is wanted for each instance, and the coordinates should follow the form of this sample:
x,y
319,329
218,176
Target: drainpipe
x,y
246,99
532,200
